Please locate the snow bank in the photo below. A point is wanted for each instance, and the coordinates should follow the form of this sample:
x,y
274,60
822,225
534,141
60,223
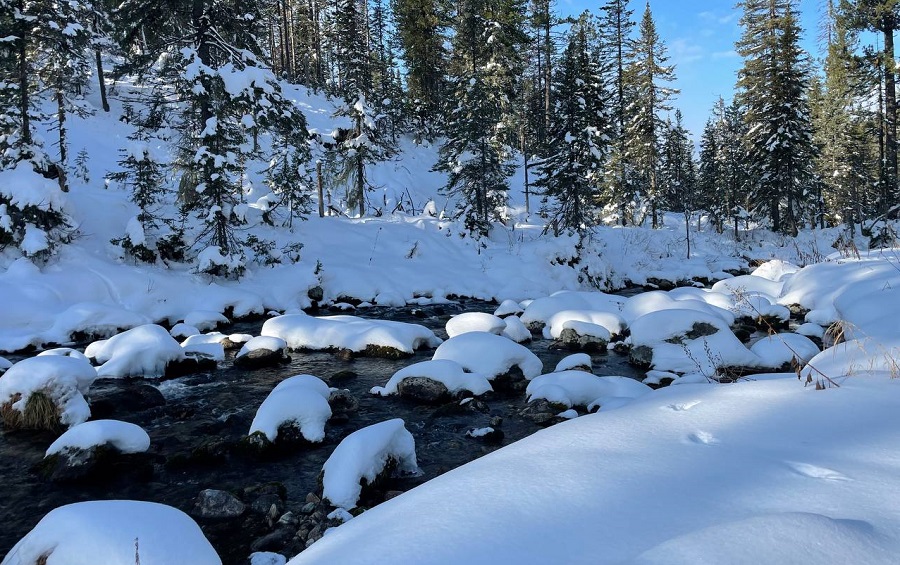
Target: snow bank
x,y
445,371
578,388
64,379
488,354
92,319
126,437
144,351
362,456
539,311
657,300
112,532
301,400
719,456
348,332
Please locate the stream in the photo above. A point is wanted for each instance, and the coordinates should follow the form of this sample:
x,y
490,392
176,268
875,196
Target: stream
x,y
196,435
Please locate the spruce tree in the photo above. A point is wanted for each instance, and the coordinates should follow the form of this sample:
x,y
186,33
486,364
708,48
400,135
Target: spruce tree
x,y
646,77
571,174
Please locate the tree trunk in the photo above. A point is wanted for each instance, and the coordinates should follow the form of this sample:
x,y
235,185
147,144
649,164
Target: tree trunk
x,y
24,103
890,110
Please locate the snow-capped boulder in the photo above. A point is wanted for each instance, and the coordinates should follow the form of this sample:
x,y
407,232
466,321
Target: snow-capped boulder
x,y
779,350
474,322
775,270
489,355
539,311
687,341
123,436
656,301
65,352
45,392
515,330
450,375
583,336
811,330
145,351
4,364
612,322
508,308
112,532
364,455
183,331
299,403
378,338
578,388
262,351
579,361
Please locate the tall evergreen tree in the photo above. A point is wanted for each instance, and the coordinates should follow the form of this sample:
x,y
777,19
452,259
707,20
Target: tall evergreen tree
x,y
647,76
487,41
678,175
578,142
772,88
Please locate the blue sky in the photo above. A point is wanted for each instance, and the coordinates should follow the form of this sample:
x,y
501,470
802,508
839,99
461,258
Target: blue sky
x,y
700,36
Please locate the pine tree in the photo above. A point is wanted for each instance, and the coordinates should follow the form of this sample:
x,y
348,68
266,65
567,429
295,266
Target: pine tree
x,y
678,175
487,41
646,77
578,142
772,87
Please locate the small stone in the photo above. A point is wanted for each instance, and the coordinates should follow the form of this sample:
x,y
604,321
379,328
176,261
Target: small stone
x,y
211,503
265,503
273,541
287,519
496,422
308,508
312,497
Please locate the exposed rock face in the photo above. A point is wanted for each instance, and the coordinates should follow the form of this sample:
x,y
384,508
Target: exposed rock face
x,y
423,390
572,340
260,358
94,465
218,504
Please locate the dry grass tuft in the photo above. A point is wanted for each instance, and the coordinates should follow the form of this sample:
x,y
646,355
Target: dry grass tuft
x,y
40,413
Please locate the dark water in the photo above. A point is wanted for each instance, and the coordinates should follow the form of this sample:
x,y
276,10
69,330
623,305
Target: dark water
x,y
212,413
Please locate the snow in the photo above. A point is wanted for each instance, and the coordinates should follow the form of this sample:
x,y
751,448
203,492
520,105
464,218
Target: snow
x,y
267,558
474,322
111,532
299,401
126,437
542,309
144,351
609,322
507,308
362,455
578,388
65,352
657,301
445,371
573,361
775,270
94,319
676,461
64,379
515,330
262,342
24,187
204,320
301,331
778,349
488,354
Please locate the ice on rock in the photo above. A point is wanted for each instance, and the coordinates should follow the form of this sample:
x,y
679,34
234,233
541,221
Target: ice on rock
x,y
445,371
362,456
301,331
474,322
125,437
144,351
488,354
65,380
578,388
108,531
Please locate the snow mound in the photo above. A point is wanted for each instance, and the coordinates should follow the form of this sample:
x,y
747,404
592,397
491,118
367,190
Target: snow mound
x,y
657,301
126,437
578,388
508,308
540,310
749,284
775,540
810,330
205,320
688,341
758,305
611,322
4,364
183,331
488,354
64,379
515,330
775,270
474,322
572,361
299,401
92,319
362,456
65,352
445,371
301,331
262,342
852,358
107,531
779,349
144,351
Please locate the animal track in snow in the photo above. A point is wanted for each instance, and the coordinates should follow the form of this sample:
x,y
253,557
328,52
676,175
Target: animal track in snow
x,y
703,438
816,472
683,406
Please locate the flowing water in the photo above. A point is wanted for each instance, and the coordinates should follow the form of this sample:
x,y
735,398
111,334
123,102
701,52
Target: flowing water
x,y
193,437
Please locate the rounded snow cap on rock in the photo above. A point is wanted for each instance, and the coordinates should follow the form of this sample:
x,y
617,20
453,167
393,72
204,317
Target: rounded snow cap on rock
x,y
114,532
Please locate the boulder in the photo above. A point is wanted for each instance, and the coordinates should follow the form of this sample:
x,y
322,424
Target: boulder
x,y
218,504
423,390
